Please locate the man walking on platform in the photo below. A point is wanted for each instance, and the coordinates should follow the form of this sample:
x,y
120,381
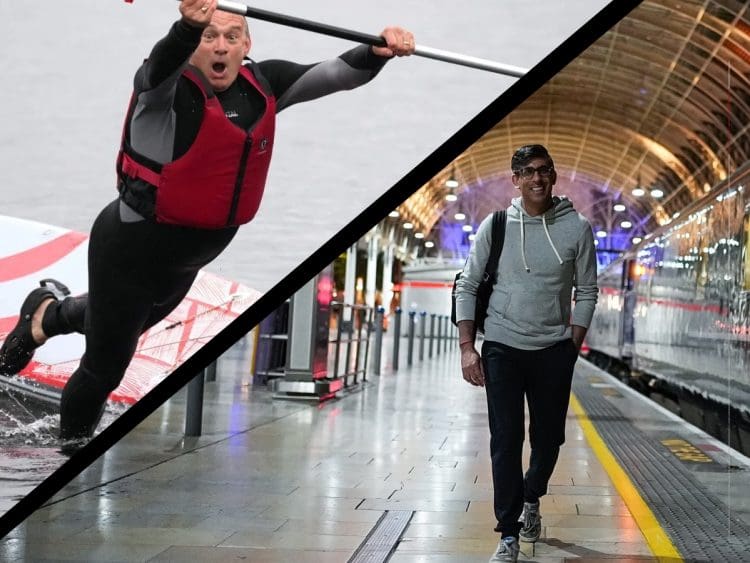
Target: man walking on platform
x,y
531,339
196,148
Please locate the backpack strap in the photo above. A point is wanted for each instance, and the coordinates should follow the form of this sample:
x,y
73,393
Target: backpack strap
x,y
496,244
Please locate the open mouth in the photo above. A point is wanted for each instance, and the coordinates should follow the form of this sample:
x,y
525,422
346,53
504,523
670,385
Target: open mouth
x,y
218,68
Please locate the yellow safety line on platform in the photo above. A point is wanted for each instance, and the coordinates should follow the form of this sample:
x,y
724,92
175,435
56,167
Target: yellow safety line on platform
x,y
657,539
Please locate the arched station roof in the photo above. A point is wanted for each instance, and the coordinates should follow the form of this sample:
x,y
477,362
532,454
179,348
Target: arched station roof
x,y
662,100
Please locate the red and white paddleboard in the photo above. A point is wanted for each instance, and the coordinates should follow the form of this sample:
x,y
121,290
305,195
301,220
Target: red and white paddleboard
x,y
31,251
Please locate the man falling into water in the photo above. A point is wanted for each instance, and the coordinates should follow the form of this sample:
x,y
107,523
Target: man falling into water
x,y
195,153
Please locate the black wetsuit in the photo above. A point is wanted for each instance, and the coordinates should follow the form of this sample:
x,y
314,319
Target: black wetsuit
x,y
139,270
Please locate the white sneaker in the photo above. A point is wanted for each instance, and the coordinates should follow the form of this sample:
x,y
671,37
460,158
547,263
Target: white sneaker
x,y
507,550
532,522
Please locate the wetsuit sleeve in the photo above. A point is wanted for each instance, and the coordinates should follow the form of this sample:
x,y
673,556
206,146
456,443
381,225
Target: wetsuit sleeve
x,y
153,127
168,58
292,83
586,289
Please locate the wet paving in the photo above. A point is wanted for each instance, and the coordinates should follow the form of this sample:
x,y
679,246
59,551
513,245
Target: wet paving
x,y
28,430
30,450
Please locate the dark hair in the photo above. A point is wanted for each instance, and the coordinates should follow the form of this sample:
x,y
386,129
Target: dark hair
x,y
526,153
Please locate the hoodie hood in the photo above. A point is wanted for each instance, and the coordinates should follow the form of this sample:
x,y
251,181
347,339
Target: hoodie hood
x,y
561,206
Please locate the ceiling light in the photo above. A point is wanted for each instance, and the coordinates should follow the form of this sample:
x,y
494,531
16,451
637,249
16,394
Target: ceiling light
x,y
408,226
393,213
626,224
429,244
459,216
472,236
638,192
619,207
418,235
601,234
657,193
467,228
451,197
636,240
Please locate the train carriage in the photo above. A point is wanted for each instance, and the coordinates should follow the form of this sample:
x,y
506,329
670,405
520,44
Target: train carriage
x,y
674,313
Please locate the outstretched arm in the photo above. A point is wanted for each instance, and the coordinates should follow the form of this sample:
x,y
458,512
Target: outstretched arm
x,y
170,55
293,83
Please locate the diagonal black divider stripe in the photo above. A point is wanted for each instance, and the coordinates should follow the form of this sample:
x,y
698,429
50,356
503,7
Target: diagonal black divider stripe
x,y
327,253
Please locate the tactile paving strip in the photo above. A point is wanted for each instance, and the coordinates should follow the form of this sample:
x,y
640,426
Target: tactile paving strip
x,y
695,520
383,538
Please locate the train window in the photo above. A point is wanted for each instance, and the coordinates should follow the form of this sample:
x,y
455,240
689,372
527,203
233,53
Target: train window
x,y
703,259
746,254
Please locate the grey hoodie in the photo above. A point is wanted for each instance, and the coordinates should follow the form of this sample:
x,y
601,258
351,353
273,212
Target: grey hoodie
x,y
543,258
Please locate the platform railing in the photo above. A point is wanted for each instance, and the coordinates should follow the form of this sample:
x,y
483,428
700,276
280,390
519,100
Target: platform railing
x,y
441,335
271,343
349,348
356,342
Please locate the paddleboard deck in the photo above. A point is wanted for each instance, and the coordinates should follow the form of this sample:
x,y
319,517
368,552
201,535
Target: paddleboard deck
x,y
31,251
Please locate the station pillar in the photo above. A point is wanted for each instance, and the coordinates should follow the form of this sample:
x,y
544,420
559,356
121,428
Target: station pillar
x,y
372,269
306,370
350,280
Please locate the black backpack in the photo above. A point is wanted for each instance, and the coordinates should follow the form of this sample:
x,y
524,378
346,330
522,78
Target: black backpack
x,y
490,270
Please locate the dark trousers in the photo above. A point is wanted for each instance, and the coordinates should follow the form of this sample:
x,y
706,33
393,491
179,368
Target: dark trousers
x,y
544,377
138,273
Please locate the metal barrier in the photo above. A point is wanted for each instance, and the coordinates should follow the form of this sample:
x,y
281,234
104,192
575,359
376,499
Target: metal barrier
x,y
271,342
410,341
432,332
194,400
272,345
378,351
422,322
326,351
396,337
362,316
441,336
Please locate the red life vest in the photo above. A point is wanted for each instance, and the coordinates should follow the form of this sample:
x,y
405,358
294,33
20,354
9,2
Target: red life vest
x,y
219,181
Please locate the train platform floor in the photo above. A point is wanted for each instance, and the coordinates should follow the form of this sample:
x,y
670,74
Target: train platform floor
x,y
281,480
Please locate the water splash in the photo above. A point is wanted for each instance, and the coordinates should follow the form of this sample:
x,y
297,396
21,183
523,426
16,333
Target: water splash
x,y
40,432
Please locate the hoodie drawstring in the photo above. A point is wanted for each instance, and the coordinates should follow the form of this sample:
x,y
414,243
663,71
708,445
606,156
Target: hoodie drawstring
x,y
549,238
523,250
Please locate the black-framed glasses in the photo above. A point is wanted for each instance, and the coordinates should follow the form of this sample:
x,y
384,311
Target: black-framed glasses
x,y
527,172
